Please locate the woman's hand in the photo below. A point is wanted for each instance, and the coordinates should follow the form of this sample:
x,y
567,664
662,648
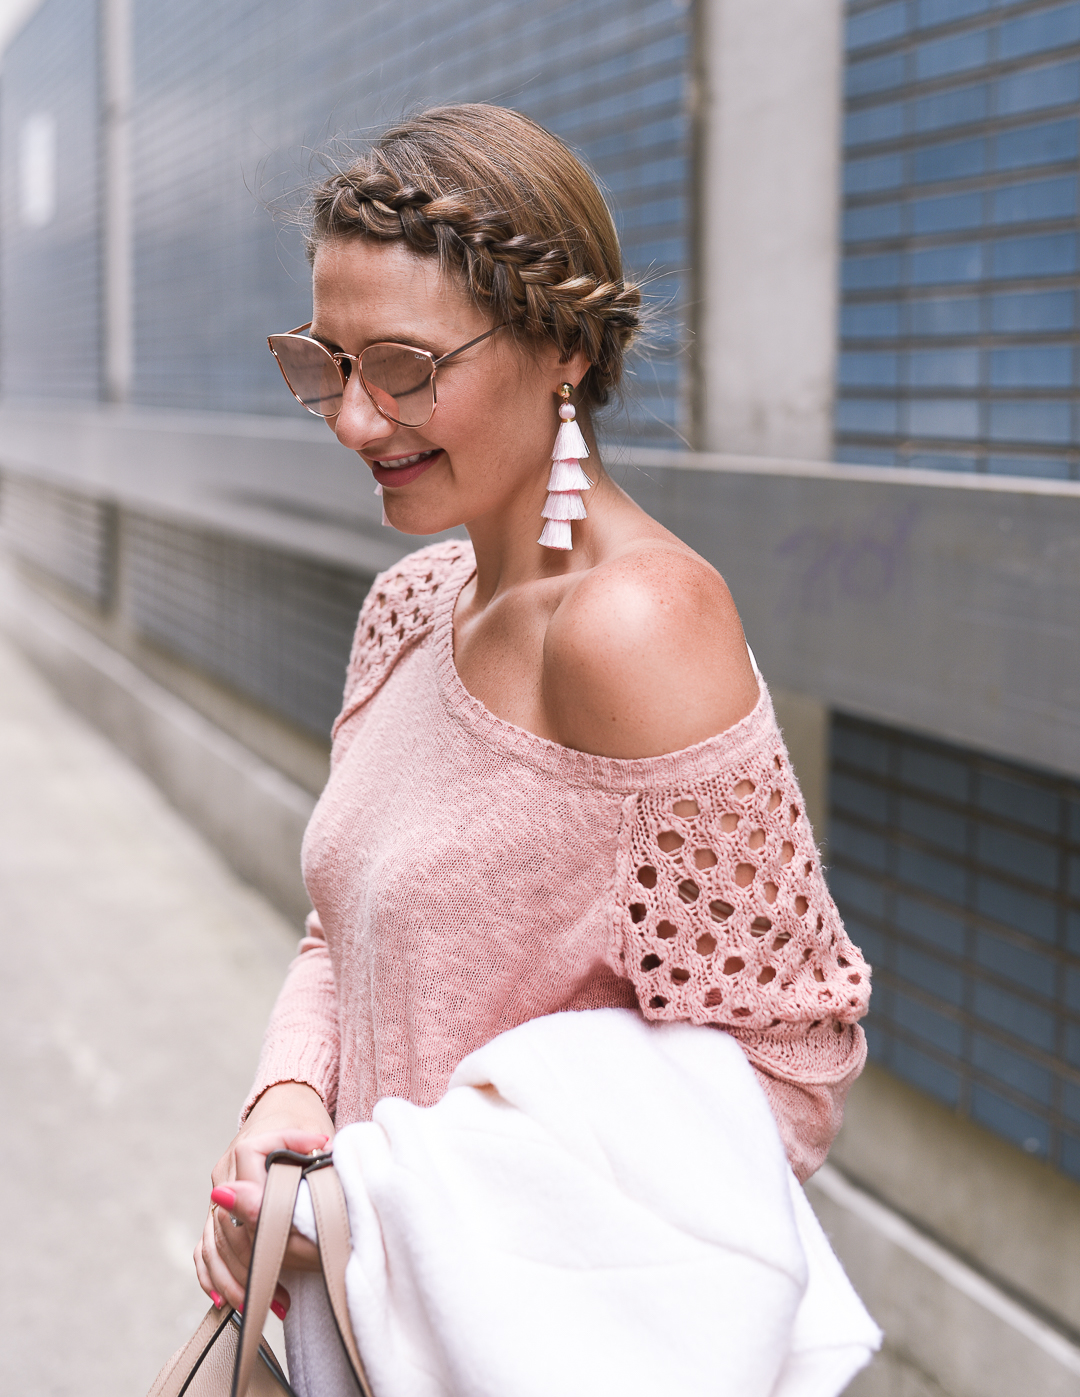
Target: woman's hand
x,y
288,1116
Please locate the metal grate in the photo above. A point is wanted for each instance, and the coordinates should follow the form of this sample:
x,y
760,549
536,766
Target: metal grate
x,y
961,264
68,535
276,627
230,100
50,248
959,875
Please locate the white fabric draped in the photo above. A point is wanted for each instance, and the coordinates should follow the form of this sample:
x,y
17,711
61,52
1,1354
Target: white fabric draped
x,y
597,1205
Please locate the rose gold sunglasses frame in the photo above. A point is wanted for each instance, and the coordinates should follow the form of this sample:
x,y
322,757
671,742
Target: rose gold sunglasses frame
x,y
337,355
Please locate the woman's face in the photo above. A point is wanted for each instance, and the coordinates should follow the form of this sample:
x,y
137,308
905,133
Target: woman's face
x,y
489,441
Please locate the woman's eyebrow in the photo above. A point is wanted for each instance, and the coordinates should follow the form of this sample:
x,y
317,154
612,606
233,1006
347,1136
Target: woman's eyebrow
x,y
408,341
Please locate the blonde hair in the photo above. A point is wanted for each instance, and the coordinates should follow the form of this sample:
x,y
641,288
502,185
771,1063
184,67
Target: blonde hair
x,y
509,209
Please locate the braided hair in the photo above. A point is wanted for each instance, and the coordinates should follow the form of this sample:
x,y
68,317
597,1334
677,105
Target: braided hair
x,y
509,210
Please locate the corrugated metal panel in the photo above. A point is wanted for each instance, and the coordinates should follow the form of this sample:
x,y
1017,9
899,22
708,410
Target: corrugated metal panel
x,y
230,100
278,628
66,534
960,319
50,262
959,876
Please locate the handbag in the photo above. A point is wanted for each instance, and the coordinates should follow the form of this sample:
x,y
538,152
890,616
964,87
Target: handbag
x,y
227,1355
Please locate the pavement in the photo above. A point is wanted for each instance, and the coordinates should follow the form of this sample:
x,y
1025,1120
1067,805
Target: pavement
x,y
136,975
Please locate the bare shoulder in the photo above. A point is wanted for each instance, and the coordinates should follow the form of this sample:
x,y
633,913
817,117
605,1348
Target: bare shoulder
x,y
645,655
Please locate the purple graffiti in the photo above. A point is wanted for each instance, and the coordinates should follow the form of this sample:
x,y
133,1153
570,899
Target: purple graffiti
x,y
862,562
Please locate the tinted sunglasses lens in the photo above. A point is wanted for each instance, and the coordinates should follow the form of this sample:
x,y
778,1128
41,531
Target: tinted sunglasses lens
x,y
310,372
400,382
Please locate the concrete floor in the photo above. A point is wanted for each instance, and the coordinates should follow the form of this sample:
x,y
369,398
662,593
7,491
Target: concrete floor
x,y
136,976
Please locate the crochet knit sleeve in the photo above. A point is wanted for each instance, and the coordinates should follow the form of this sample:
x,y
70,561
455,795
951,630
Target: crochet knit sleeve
x,y
723,917
397,613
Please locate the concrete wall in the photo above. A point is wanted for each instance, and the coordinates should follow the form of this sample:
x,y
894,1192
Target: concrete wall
x,y
949,1330
962,1247
867,589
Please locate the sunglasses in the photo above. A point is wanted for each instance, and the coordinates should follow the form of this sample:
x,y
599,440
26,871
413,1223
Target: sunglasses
x,y
399,380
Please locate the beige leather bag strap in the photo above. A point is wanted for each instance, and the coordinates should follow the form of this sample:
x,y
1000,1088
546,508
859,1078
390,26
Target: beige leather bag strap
x,y
335,1248
268,1252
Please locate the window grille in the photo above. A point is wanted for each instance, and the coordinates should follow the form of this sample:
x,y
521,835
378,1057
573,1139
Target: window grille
x,y
51,261
277,627
232,99
67,535
959,876
960,258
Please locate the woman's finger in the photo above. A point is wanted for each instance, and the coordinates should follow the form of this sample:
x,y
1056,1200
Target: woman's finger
x,y
202,1272
215,1275
241,1200
251,1150
224,1277
223,1254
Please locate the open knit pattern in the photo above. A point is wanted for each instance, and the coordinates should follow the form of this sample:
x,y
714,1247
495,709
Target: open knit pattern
x,y
723,913
398,612
468,876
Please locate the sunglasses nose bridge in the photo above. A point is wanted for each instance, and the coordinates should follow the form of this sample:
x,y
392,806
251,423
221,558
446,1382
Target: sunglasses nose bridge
x,y
360,419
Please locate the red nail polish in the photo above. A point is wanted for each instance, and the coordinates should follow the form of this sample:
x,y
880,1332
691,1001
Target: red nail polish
x,y
218,1302
223,1197
278,1308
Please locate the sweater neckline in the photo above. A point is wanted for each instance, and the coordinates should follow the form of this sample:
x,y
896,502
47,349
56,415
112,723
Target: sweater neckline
x,y
617,774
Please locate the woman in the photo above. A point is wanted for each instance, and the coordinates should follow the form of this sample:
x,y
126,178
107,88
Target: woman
x,y
557,782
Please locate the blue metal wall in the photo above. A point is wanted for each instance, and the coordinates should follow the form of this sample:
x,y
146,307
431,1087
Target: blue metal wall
x,y
960,270
959,876
50,276
231,98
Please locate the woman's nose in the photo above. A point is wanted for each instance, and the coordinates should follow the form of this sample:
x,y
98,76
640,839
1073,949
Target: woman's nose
x,y
359,423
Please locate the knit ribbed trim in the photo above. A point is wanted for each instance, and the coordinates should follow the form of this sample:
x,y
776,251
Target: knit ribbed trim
x,y
617,774
314,1063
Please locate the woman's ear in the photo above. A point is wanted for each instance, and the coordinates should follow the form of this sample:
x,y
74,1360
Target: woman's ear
x,y
573,370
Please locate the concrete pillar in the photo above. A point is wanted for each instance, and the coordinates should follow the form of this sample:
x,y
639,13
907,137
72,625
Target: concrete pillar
x,y
769,109
116,162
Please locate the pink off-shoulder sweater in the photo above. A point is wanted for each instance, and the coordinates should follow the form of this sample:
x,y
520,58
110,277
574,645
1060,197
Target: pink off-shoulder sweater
x,y
468,876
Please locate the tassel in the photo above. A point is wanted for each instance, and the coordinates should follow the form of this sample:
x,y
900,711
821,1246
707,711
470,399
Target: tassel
x,y
564,504
569,444
557,535
385,522
568,475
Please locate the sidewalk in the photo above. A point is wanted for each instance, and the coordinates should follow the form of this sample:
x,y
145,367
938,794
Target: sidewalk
x,y
137,976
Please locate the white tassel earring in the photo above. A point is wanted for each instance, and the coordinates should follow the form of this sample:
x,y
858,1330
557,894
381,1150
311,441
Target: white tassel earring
x,y
567,480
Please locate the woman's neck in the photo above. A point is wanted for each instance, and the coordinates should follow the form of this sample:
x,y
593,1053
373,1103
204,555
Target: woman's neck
x,y
505,541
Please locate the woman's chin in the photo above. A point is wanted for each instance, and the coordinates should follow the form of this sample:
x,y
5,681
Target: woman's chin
x,y
419,523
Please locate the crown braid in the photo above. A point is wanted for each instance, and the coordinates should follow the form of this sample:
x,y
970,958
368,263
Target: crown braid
x,y
561,282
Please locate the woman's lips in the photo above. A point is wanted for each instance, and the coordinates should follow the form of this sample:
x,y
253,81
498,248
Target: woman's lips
x,y
403,475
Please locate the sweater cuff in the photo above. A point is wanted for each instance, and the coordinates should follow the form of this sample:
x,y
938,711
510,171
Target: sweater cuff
x,y
818,1056
314,1064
